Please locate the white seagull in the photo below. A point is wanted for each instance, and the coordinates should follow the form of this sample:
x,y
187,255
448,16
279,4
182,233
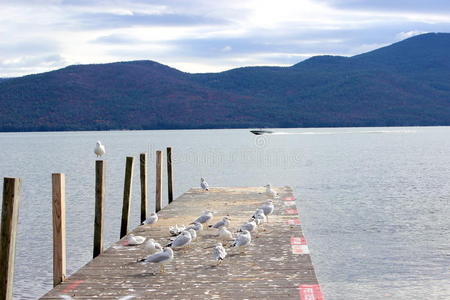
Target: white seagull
x,y
181,241
193,233
270,192
205,218
225,222
176,230
160,258
242,240
99,149
259,214
225,234
219,253
134,240
152,246
203,184
268,208
152,219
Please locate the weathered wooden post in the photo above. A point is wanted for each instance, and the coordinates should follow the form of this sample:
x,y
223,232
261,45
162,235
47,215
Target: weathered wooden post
x,y
10,215
99,200
126,196
169,175
158,180
143,163
59,228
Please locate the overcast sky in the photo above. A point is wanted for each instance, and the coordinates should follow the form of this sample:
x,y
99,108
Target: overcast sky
x,y
204,35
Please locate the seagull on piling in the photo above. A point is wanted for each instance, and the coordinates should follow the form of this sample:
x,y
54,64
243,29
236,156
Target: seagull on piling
x,y
99,149
152,219
225,222
270,192
152,246
203,184
219,253
134,240
160,258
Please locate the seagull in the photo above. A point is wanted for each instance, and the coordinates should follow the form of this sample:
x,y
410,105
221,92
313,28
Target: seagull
x,y
267,208
160,258
193,233
197,226
270,192
249,226
225,234
242,240
152,246
99,149
259,214
205,218
181,241
134,240
203,184
224,222
152,219
219,253
176,230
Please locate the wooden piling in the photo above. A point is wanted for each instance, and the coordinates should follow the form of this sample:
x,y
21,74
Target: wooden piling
x,y
126,196
59,228
99,201
10,215
143,168
158,180
169,175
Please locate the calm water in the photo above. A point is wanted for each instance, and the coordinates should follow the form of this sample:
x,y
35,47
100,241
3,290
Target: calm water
x,y
374,202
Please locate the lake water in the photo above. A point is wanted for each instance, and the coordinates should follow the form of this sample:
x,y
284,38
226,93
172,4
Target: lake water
x,y
374,202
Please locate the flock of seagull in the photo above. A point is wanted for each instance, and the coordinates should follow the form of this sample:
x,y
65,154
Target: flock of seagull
x,y
182,237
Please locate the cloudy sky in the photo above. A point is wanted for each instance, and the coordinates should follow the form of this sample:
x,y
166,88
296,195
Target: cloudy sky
x,y
203,35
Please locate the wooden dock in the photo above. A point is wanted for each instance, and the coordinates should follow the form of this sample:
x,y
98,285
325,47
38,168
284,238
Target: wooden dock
x,y
276,265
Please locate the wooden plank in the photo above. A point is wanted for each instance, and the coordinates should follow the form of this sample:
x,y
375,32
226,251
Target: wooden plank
x,y
143,173
169,175
10,215
126,195
158,181
59,227
269,268
100,166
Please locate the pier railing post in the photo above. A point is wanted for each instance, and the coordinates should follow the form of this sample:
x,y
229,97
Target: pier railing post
x,y
126,196
99,201
10,215
158,180
59,228
143,173
169,175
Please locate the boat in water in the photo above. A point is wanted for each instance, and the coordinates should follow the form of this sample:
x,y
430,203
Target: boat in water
x,y
261,132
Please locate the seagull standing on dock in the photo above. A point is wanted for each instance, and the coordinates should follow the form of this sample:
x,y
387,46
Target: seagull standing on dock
x,y
225,222
219,253
242,240
225,234
270,192
249,226
197,226
259,214
193,234
181,241
151,220
160,258
99,149
203,184
268,208
205,218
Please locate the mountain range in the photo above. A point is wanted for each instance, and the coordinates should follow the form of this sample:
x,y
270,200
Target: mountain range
x,y
404,84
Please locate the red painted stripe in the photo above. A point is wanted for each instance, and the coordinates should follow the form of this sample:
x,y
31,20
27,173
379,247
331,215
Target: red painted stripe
x,y
72,286
289,203
300,249
310,292
291,211
293,222
289,199
298,241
